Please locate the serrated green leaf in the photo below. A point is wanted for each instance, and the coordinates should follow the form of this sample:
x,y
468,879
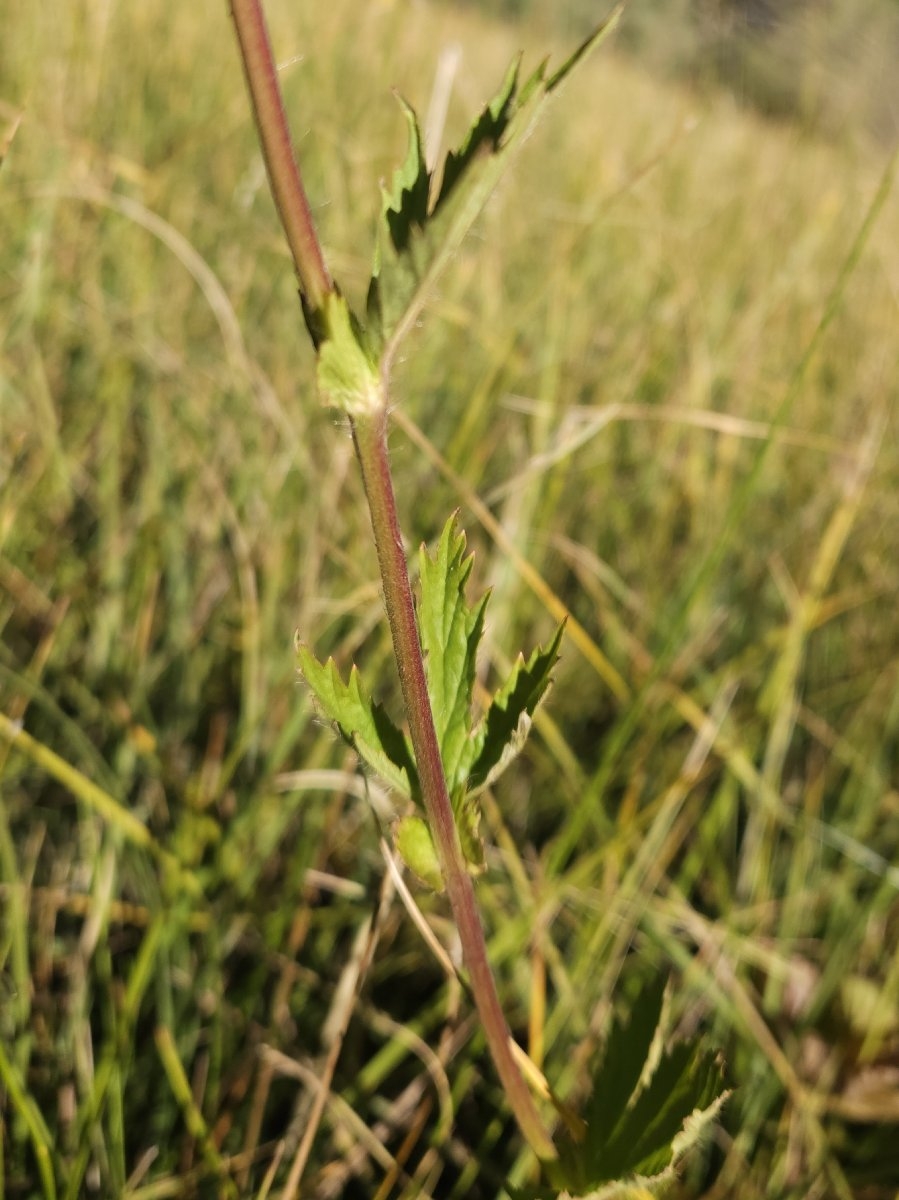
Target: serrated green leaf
x,y
415,846
364,724
416,241
507,722
699,1122
627,1047
646,1111
686,1081
405,206
450,634
348,377
485,134
451,631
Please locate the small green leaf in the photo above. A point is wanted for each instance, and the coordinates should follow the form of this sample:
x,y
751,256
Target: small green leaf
x,y
468,820
364,724
450,634
507,722
405,206
451,631
415,846
348,377
420,231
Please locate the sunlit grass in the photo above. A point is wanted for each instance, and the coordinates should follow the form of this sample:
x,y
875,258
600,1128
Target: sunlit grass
x,y
599,373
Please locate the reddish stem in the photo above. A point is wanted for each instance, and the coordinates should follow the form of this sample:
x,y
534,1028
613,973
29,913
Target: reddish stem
x,y
283,172
370,436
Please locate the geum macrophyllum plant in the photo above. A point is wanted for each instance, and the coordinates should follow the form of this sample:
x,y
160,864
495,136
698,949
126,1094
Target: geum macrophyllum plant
x,y
450,632
654,1113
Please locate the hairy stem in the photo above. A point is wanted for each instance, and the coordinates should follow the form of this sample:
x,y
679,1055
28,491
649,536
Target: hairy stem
x,y
370,437
283,172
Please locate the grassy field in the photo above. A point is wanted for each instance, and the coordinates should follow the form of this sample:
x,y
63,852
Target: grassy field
x,y
660,384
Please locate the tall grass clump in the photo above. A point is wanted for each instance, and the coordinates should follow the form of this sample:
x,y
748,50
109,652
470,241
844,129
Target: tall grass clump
x,y
658,382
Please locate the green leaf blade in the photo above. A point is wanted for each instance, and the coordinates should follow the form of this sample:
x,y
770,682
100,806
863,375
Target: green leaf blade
x,y
506,724
405,207
587,46
348,377
362,722
686,1081
648,1109
450,634
627,1049
416,242
415,846
485,134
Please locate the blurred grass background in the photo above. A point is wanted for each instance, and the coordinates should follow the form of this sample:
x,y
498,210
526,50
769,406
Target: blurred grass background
x,y
660,382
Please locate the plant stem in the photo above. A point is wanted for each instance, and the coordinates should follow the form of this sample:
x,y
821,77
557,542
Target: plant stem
x,y
274,134
370,438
